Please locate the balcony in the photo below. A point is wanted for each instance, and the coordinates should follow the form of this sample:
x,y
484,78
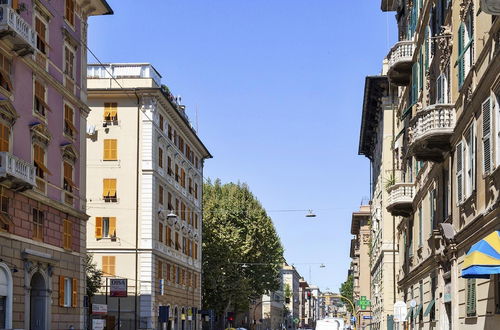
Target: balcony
x,y
16,31
400,62
400,202
431,130
16,172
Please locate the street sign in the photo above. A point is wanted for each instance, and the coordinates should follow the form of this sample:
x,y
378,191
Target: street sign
x,y
367,317
400,311
363,302
118,287
98,324
353,319
99,309
296,320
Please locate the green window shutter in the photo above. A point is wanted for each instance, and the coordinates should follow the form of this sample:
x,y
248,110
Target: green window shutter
x,y
390,322
487,150
471,297
421,70
431,199
461,61
426,48
459,155
414,83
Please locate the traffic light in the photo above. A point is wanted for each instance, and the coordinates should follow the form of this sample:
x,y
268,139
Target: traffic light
x,y
230,316
287,300
309,295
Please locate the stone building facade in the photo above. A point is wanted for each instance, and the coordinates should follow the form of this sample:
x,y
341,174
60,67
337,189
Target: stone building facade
x,y
145,178
445,68
43,115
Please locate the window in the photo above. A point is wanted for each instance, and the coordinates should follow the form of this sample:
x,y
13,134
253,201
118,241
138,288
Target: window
x,y
190,185
68,183
177,243
178,275
161,122
160,232
69,126
41,35
470,153
68,291
183,211
184,243
196,221
109,190
5,220
69,63
39,161
415,83
169,166
41,106
170,132
195,251
5,68
108,265
67,237
168,236
471,297
177,177
441,89
465,47
69,13
432,208
160,195
159,273
110,149
420,227
196,190
105,227
487,149
160,157
38,220
168,275
459,156
169,202
183,178
110,112
4,137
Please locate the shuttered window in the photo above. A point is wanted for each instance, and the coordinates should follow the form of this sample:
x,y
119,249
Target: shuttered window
x,y
168,238
441,89
109,189
160,195
105,227
69,126
110,111
471,297
414,83
68,183
67,230
69,62
160,232
161,124
69,12
4,137
487,145
108,265
160,157
470,164
68,292
41,35
460,176
432,208
5,67
420,228
465,46
41,107
110,149
38,224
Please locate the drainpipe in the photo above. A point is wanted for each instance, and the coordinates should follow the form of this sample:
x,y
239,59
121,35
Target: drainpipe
x,y
137,213
393,217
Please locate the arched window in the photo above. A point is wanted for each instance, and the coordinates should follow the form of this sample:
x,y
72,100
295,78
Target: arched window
x,y
5,297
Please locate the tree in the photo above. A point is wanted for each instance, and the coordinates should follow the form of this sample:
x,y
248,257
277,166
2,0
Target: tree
x,y
242,253
346,290
94,276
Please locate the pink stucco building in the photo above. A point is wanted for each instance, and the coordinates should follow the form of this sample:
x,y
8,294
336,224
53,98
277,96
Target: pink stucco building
x,y
42,161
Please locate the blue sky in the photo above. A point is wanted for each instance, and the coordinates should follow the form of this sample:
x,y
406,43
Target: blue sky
x,y
275,89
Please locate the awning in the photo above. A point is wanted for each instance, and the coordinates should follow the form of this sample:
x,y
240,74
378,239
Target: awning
x,y
429,307
483,258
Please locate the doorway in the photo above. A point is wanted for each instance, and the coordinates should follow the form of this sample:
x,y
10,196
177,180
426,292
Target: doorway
x,y
38,302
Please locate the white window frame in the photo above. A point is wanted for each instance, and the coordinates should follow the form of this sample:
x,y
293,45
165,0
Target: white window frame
x,y
8,294
469,161
442,89
68,291
73,51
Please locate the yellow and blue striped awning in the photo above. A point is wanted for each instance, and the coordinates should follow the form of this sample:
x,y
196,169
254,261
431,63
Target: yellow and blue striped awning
x,y
483,258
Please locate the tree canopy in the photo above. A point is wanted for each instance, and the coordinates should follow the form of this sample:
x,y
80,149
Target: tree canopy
x,y
242,253
346,290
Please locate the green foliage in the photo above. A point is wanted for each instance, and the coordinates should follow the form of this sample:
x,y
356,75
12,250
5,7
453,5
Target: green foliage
x,y
346,290
93,276
288,291
237,230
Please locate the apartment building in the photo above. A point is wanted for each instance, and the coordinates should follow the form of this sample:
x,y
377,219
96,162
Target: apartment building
x,y
305,312
145,177
43,115
291,279
267,312
446,67
376,138
360,264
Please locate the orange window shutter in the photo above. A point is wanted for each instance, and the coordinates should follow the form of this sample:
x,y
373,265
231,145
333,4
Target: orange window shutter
x,y
15,4
61,291
114,110
112,187
112,226
5,133
105,187
112,260
98,227
74,294
107,153
107,110
113,149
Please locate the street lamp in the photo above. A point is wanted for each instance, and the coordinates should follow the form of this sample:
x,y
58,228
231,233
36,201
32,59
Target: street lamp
x,y
310,214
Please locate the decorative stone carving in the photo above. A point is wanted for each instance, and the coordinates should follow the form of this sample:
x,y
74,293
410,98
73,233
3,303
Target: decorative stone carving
x,y
40,133
465,6
445,43
428,86
468,94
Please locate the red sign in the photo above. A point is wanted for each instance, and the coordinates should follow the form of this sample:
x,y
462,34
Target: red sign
x,y
118,287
